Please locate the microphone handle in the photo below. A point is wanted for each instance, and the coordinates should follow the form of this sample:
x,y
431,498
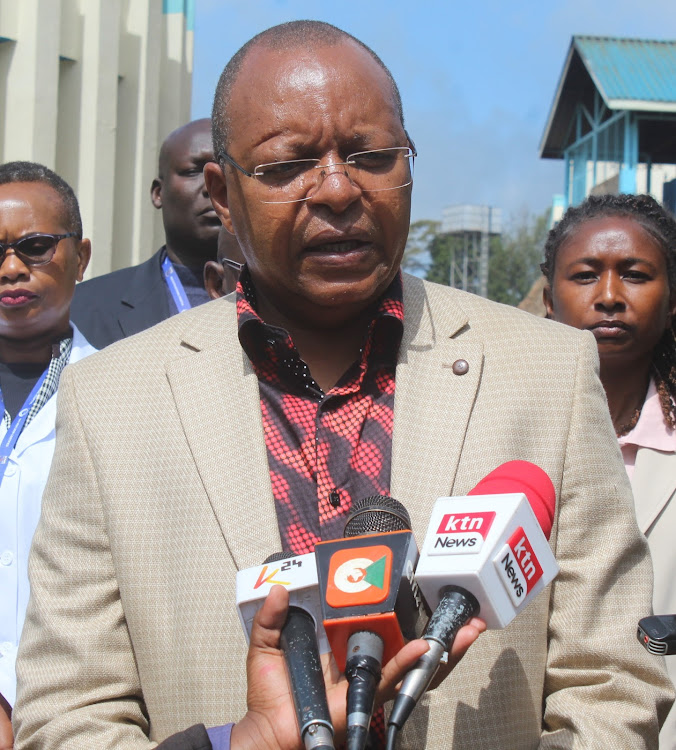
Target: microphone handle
x,y
362,669
299,643
456,607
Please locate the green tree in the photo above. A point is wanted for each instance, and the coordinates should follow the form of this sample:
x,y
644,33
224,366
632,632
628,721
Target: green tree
x,y
515,259
416,252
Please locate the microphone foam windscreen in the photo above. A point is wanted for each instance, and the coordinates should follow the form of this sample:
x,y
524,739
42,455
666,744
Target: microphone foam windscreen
x,y
377,514
525,477
283,555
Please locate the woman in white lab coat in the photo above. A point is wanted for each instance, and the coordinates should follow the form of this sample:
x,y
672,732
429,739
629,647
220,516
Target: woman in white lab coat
x,y
42,255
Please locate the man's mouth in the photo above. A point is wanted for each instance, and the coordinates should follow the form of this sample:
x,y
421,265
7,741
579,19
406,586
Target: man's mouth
x,y
341,247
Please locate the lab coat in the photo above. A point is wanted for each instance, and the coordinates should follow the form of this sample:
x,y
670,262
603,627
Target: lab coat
x,y
20,500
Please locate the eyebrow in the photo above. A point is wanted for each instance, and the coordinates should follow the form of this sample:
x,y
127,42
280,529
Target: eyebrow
x,y
630,261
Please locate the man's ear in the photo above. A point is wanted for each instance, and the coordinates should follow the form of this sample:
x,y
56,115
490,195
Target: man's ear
x,y
214,179
214,274
84,253
548,302
156,193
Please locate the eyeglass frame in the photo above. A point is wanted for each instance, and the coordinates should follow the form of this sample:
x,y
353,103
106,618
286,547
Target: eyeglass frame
x,y
232,264
225,156
26,259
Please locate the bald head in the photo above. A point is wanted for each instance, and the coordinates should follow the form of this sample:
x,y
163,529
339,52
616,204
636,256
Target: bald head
x,y
306,35
190,224
180,141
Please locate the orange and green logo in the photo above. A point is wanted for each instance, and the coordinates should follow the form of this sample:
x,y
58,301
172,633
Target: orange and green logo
x,y
359,576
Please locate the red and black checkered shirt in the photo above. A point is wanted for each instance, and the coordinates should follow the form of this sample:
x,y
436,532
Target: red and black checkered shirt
x,y
325,450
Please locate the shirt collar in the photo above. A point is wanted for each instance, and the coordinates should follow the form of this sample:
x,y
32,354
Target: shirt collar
x,y
60,355
651,431
260,340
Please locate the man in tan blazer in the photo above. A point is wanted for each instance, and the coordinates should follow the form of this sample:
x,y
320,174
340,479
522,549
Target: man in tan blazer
x,y
161,483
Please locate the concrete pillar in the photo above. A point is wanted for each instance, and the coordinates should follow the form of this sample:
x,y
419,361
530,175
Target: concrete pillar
x,y
30,106
98,118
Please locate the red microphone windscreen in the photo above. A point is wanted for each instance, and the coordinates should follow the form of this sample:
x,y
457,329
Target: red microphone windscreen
x,y
525,477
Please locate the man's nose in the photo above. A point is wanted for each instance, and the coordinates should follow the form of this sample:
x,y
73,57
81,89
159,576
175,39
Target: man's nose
x,y
334,188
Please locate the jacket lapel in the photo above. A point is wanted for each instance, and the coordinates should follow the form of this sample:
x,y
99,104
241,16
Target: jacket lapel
x,y
653,484
145,302
427,442
217,398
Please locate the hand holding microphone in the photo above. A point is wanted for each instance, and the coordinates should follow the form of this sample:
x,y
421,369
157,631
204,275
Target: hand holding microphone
x,y
270,721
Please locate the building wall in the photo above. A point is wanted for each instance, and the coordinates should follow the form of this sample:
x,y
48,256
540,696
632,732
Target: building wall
x,y
91,88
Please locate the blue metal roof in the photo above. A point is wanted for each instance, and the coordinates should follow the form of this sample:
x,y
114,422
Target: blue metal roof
x,y
630,70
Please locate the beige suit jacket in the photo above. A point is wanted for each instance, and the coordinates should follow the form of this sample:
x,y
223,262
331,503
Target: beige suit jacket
x,y
160,491
654,486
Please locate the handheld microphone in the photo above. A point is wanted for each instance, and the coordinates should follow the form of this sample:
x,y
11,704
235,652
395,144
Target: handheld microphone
x,y
298,575
298,640
484,554
370,600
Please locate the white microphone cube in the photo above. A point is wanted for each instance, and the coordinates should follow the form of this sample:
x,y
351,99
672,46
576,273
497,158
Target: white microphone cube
x,y
297,574
491,545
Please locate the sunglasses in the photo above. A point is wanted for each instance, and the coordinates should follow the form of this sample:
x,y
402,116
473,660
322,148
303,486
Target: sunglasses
x,y
34,249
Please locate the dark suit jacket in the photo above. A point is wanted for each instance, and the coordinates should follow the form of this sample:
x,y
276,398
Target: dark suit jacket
x,y
119,304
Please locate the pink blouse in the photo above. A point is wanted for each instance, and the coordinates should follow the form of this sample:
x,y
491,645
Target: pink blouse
x,y
651,431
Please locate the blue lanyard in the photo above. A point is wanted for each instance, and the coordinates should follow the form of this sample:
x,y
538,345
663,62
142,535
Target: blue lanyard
x,y
175,287
12,435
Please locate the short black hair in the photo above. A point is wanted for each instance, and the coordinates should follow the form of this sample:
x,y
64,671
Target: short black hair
x,y
290,35
660,224
643,209
29,171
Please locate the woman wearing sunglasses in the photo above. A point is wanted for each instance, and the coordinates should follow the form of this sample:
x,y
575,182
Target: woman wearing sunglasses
x,y
42,255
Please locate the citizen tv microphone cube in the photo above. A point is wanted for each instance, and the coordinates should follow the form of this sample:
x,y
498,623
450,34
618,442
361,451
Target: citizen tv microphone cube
x,y
297,574
367,583
491,545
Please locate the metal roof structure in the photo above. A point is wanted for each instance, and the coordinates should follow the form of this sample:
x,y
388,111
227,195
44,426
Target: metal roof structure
x,y
636,75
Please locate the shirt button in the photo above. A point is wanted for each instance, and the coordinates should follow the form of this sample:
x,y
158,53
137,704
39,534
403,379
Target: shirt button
x,y
6,558
10,471
5,648
334,498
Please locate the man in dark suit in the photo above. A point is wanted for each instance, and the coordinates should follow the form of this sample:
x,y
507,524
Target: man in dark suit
x,y
124,302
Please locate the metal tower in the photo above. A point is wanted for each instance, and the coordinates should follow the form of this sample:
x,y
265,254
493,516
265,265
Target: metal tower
x,y
474,225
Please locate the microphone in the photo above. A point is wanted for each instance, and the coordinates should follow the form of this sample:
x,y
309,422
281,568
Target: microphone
x,y
370,600
298,641
485,554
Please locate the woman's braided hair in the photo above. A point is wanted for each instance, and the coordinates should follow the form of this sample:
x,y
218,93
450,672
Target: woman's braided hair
x,y
661,226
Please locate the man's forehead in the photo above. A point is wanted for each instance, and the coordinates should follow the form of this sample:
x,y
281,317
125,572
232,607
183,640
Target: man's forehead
x,y
306,84
304,67
192,141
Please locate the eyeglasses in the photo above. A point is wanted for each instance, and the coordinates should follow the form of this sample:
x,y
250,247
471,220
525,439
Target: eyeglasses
x,y
34,249
299,179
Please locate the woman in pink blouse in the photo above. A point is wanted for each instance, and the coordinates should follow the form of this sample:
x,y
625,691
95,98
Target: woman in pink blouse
x,y
610,266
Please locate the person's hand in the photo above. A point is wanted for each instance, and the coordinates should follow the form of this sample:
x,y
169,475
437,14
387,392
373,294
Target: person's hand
x,y
6,735
270,720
